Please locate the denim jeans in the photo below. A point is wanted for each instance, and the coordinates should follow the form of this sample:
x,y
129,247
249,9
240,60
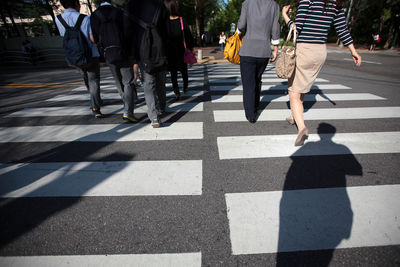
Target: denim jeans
x,y
91,77
154,94
123,76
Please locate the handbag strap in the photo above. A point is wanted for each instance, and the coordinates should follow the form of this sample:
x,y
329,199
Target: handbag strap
x,y
291,31
183,33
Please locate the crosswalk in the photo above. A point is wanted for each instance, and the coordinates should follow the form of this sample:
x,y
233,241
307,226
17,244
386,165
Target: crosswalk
x,y
188,166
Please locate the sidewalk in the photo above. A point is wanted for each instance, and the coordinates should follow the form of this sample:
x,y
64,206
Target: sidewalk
x,y
211,54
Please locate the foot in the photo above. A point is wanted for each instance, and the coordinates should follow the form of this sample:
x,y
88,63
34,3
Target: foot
x,y
251,120
156,124
290,120
301,137
97,114
130,118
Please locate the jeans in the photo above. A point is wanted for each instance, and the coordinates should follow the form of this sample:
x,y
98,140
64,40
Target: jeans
x,y
91,77
123,76
251,70
154,94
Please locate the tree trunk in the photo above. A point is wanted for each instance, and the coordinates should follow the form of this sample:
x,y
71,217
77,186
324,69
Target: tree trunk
x,y
197,11
3,17
13,22
51,13
90,6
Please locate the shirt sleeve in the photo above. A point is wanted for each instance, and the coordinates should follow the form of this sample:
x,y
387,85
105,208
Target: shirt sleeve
x,y
275,27
301,15
341,28
242,23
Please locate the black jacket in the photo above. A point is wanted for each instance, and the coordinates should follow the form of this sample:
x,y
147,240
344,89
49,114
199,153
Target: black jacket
x,y
133,32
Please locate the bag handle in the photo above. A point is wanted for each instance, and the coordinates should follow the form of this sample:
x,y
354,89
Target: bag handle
x,y
183,33
292,30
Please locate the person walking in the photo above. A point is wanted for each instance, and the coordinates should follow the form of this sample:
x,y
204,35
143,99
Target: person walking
x,y
175,46
375,40
90,74
138,12
107,29
222,41
313,20
259,23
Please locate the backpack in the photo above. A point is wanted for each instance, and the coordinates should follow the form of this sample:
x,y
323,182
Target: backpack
x,y
77,51
152,49
110,39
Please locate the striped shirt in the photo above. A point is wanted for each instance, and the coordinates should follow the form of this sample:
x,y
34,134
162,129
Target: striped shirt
x,y
313,22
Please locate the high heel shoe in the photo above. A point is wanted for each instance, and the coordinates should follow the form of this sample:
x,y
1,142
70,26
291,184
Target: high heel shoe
x,y
301,137
290,120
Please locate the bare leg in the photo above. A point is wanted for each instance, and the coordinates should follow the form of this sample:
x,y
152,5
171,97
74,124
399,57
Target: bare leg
x,y
296,105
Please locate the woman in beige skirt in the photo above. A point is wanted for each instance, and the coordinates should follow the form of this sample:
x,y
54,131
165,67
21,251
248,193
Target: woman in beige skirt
x,y
313,20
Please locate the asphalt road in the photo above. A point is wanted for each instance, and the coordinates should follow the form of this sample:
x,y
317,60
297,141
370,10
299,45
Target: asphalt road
x,y
75,189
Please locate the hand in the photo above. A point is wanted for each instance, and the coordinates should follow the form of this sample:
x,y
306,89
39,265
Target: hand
x,y
286,9
274,55
356,58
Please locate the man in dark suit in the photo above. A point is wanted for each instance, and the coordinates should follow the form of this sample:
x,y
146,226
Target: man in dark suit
x,y
107,28
154,82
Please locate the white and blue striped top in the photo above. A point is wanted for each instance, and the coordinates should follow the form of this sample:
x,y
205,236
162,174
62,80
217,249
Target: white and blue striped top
x,y
313,22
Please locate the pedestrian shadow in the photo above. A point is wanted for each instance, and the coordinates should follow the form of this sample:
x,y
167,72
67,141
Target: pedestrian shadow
x,y
314,222
33,191
311,98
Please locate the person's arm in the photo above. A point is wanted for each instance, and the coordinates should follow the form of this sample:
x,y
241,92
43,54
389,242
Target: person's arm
x,y
275,33
94,23
188,35
242,23
344,35
301,15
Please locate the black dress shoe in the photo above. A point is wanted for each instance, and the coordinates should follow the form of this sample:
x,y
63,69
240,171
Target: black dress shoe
x,y
251,120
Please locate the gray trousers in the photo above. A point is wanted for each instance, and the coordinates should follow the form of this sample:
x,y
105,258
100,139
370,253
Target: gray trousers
x,y
154,93
123,76
91,77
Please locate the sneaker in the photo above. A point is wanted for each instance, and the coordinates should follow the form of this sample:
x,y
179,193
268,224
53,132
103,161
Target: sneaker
x,y
129,118
155,124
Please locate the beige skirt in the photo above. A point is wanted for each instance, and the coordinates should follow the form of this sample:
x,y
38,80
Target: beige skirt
x,y
309,61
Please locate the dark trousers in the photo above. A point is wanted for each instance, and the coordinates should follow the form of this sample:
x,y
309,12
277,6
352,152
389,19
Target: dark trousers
x,y
251,70
183,68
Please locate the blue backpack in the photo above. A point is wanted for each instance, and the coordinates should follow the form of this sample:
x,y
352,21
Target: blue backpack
x,y
76,47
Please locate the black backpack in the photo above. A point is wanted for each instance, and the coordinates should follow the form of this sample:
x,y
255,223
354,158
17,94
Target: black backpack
x,y
76,47
152,49
110,39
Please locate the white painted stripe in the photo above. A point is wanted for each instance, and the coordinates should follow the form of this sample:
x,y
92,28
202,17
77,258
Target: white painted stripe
x,y
278,87
191,84
313,114
266,80
112,109
364,61
114,96
269,146
122,260
308,97
314,219
102,132
102,87
226,75
114,178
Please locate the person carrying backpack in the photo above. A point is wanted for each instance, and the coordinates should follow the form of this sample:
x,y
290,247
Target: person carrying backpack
x,y
80,51
107,27
145,34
